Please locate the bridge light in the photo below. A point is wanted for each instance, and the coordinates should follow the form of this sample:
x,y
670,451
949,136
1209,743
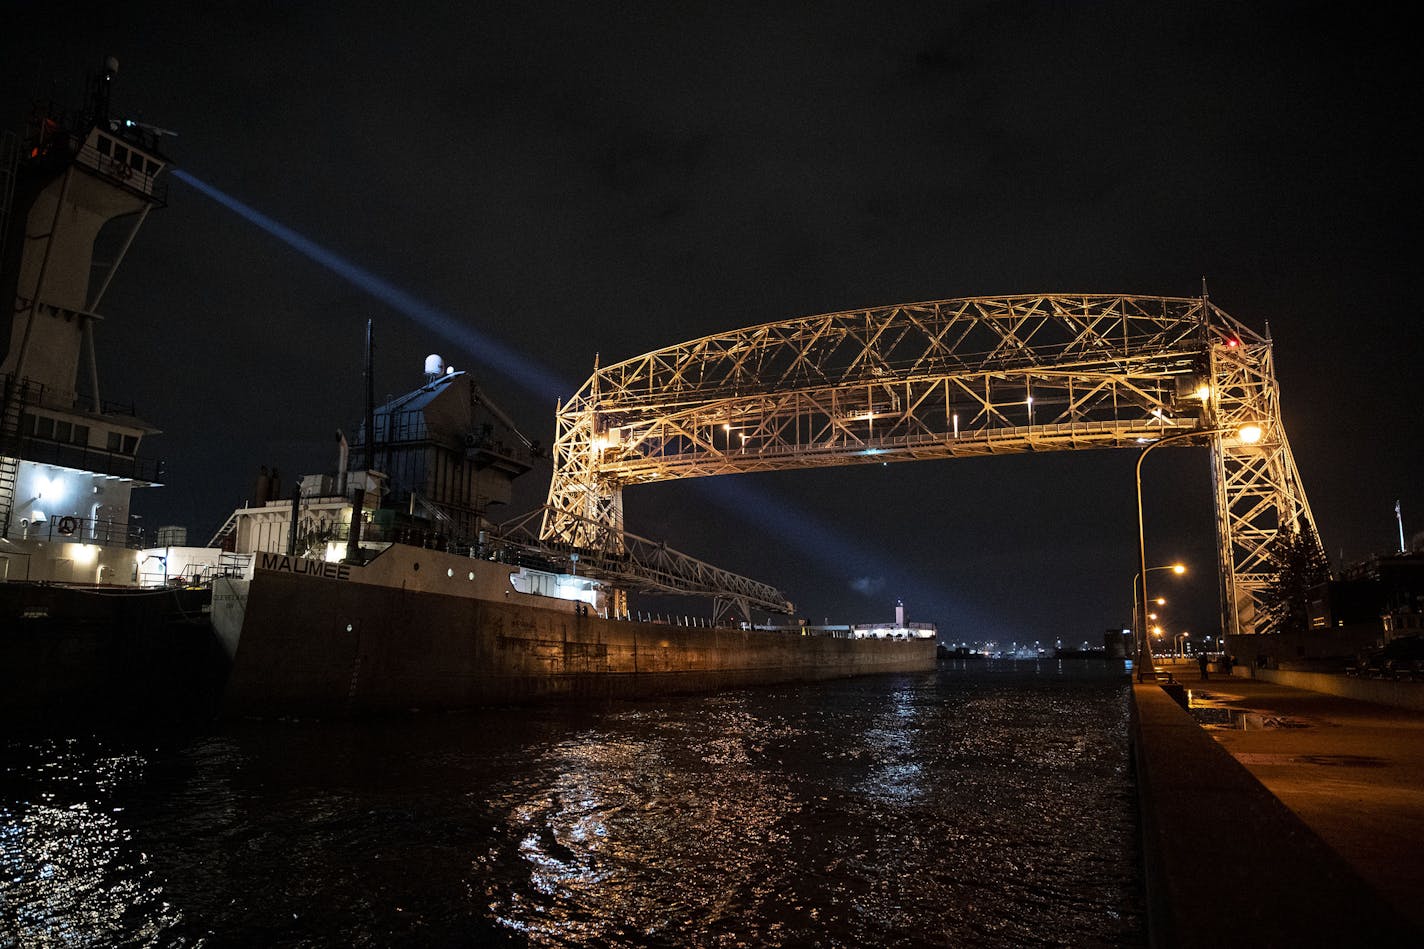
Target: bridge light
x,y
1204,393
1179,568
1232,342
1250,434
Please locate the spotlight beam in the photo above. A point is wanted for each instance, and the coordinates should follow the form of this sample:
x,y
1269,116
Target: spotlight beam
x,y
816,541
510,363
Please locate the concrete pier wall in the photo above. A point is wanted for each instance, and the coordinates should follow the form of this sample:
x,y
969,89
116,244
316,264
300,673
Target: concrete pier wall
x,y
1408,695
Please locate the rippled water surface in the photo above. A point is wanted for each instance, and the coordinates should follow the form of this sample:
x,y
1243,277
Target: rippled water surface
x,y
985,804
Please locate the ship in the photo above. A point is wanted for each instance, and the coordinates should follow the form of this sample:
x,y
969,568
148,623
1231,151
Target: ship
x,y
430,603
88,621
385,583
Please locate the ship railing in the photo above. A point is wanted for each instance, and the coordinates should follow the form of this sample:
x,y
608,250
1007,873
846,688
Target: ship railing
x,y
33,394
390,534
156,570
58,134
68,529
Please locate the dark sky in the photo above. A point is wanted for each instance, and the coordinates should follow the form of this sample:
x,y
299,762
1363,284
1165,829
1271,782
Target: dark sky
x,y
581,178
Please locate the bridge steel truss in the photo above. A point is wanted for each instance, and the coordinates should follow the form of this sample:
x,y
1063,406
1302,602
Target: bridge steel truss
x,y
627,561
945,379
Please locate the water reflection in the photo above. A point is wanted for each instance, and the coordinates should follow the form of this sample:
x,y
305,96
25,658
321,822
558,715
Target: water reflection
x,y
71,873
988,805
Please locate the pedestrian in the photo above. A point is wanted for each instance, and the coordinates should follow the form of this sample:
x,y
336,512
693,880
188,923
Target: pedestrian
x,y
1201,661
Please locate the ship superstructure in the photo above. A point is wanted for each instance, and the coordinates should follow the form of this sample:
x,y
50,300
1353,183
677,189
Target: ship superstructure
x,y
439,458
73,195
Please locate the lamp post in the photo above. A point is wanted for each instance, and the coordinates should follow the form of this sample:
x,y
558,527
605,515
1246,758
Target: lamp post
x,y
1138,628
1181,640
1250,434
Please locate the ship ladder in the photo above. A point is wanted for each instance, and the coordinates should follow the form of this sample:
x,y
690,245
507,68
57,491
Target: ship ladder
x,y
12,394
225,531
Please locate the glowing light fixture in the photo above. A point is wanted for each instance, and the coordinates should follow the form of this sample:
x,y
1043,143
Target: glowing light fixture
x,y
50,489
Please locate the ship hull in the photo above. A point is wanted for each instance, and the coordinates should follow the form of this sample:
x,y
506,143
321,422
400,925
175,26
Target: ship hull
x,y
321,646
106,655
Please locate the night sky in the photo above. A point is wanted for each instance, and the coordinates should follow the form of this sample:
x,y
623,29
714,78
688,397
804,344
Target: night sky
x,y
565,180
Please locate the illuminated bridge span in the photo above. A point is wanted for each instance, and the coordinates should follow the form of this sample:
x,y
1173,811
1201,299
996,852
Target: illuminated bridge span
x,y
954,378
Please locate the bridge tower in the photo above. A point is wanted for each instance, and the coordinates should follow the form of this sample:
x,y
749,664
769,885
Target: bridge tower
x,y
1258,489
76,193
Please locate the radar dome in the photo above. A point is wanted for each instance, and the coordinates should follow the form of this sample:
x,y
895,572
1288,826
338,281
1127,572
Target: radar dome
x,y
434,366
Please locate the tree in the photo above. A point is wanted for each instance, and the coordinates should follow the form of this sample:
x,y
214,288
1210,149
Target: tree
x,y
1297,564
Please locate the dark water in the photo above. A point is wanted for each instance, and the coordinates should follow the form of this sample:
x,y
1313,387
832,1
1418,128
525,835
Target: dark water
x,y
988,804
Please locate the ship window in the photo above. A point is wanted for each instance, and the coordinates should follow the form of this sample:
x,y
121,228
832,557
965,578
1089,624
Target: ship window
x,y
27,425
44,427
104,145
81,434
136,161
130,444
114,441
472,574
151,168
63,431
121,154
449,571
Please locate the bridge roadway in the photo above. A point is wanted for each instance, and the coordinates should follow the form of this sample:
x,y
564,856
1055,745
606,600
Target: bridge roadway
x,y
1308,831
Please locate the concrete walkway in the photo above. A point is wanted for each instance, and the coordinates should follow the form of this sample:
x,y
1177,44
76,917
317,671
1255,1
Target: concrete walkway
x,y
1230,861
1352,771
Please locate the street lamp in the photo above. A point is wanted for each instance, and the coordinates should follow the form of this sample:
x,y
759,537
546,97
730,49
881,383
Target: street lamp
x,y
1178,569
1249,434
1181,641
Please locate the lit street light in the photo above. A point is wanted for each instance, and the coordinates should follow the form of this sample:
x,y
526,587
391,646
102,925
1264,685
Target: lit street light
x,y
1137,634
1249,434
